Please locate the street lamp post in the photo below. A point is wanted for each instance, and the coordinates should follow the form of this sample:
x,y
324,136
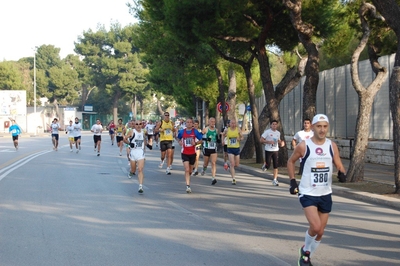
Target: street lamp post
x,y
34,86
34,83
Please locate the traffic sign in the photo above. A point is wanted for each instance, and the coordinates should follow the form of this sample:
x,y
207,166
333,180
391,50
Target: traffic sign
x,y
219,107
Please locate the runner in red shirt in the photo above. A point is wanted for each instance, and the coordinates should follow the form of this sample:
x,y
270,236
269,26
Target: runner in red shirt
x,y
111,131
188,139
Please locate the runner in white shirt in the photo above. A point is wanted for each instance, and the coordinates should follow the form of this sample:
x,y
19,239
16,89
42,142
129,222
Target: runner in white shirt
x,y
97,129
150,126
315,190
77,134
70,131
137,142
272,140
55,126
301,135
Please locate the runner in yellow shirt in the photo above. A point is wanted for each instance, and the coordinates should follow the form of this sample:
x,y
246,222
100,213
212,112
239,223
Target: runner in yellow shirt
x,y
167,131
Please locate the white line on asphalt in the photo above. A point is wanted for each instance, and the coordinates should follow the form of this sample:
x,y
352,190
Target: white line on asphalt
x,y
8,150
20,163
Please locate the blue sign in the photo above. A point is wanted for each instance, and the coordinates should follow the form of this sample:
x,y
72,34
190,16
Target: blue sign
x,y
248,108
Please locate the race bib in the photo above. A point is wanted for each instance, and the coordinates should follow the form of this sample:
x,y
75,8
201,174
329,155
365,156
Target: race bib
x,y
319,176
168,131
188,142
212,145
139,143
233,141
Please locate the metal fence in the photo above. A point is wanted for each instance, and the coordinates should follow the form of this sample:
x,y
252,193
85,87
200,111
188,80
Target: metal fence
x,y
337,99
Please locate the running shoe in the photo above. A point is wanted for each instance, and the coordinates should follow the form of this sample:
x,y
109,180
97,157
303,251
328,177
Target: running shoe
x,y
203,172
193,173
275,182
226,166
130,175
304,259
77,151
264,167
213,181
16,147
71,150
233,181
168,172
140,190
120,154
188,189
98,154
161,164
79,146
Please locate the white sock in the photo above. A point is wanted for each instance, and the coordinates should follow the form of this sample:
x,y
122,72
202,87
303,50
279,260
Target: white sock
x,y
314,246
308,242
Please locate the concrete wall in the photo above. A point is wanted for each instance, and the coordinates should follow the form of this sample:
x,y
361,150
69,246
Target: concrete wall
x,y
379,152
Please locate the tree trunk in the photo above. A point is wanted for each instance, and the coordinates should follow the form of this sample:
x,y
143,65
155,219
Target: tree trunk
x,y
394,92
356,168
289,81
115,106
221,97
365,98
58,115
231,99
254,111
306,32
390,10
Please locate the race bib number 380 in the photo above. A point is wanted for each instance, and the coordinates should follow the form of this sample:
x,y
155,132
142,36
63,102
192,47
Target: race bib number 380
x,y
319,176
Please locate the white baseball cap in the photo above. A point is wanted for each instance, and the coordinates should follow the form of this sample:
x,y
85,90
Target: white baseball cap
x,y
320,118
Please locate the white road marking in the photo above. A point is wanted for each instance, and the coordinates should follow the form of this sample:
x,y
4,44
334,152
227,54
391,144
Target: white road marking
x,y
19,163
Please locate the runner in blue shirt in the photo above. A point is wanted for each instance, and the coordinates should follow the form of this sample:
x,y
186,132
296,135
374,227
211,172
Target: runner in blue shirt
x,y
15,131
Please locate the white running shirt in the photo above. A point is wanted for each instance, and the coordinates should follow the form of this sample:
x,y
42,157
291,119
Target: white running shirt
x,y
303,135
70,130
317,173
77,129
97,129
138,139
150,129
54,128
271,135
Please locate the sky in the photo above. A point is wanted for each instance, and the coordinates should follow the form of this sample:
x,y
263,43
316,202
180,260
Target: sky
x,y
25,24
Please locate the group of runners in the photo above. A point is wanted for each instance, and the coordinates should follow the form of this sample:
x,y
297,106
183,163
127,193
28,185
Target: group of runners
x,y
74,134
317,153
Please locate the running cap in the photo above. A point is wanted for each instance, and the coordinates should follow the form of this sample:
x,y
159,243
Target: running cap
x,y
320,118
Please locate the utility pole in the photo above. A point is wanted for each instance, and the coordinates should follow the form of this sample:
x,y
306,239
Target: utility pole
x,y
34,87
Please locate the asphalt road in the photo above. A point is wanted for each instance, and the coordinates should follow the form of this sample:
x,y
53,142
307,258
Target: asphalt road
x,y
64,208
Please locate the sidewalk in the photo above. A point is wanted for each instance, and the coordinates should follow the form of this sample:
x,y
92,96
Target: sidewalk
x,y
372,172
